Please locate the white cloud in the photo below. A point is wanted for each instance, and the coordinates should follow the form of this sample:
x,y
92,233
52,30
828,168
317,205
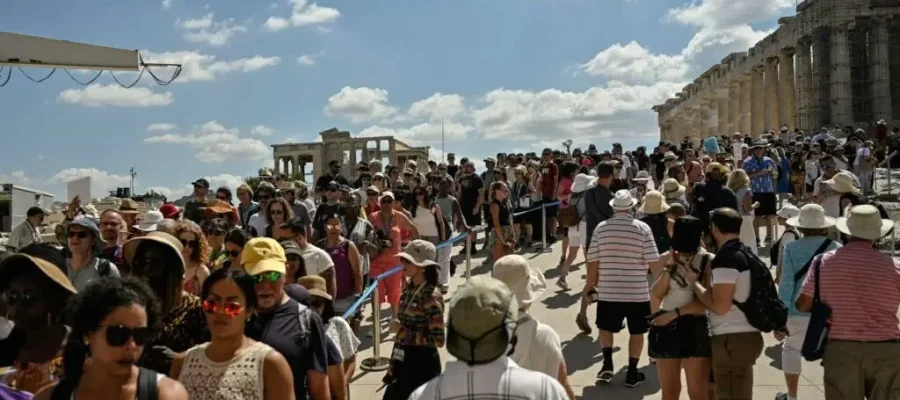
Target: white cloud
x,y
323,30
360,104
261,130
302,14
40,157
15,178
632,63
216,143
438,106
161,127
113,95
197,66
423,133
207,30
307,59
727,13
101,181
166,4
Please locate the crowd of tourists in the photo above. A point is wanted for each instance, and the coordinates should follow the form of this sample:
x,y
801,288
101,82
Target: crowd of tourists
x,y
250,293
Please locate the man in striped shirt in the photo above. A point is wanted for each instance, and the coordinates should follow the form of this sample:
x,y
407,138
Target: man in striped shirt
x,y
862,287
621,251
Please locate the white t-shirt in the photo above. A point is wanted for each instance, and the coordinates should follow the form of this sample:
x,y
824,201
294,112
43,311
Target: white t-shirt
x,y
538,347
733,321
339,331
317,260
499,379
831,201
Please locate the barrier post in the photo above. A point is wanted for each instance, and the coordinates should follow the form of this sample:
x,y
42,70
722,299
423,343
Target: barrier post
x,y
543,227
893,241
376,362
468,256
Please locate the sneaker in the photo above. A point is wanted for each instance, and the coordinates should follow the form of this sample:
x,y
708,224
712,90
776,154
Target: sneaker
x,y
445,289
582,321
782,396
634,379
605,375
561,282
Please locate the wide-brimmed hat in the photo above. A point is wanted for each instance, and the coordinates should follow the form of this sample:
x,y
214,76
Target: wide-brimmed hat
x,y
419,252
844,182
762,143
669,156
91,225
263,255
169,210
151,221
12,264
90,211
581,183
811,216
525,282
788,211
864,222
478,308
654,203
219,207
671,189
129,249
315,285
622,200
642,176
128,206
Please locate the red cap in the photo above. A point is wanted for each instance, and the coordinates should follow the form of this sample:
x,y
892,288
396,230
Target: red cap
x,y
169,210
587,162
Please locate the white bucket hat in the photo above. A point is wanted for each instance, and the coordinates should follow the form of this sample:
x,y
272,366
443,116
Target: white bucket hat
x,y
151,221
811,216
844,182
525,282
671,189
642,176
788,211
582,181
864,222
654,203
622,200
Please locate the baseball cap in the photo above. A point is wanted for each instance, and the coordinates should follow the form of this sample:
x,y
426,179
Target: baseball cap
x,y
716,167
420,253
480,310
202,183
263,255
291,248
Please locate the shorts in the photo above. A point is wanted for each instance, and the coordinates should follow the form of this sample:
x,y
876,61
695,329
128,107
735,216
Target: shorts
x,y
523,218
768,204
577,235
610,315
472,219
685,337
552,211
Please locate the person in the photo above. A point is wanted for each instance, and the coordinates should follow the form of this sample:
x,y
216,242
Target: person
x,y
331,205
195,252
28,231
426,216
112,323
710,195
110,229
235,240
315,260
231,365
388,223
862,287
798,255
357,229
736,344
789,235
345,258
156,259
739,183
258,222
195,208
214,230
577,235
597,210
246,206
618,270
480,332
678,336
35,291
339,332
544,350
471,197
500,222
415,359
284,324
278,212
84,243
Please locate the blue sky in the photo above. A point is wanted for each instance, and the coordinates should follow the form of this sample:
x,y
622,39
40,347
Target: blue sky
x,y
504,75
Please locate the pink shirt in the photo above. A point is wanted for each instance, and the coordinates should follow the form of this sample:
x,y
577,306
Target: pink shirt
x,y
862,287
565,189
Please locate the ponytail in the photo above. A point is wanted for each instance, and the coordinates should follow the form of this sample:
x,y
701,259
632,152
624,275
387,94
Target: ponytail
x,y
74,355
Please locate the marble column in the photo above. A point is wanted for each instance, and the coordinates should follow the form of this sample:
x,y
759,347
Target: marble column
x,y
841,94
295,169
746,105
276,166
881,70
722,108
786,86
757,102
773,120
804,95
392,152
303,170
710,124
734,107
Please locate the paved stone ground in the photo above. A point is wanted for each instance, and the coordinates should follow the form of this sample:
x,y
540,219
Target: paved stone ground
x,y
582,352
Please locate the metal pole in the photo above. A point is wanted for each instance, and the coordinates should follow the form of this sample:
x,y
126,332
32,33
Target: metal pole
x,y
468,256
893,241
543,227
376,363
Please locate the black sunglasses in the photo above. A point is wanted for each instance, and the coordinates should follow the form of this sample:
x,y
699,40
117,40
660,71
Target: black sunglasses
x,y
117,336
79,234
233,253
12,298
188,243
263,197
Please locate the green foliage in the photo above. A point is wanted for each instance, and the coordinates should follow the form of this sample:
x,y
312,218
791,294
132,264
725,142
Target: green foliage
x,y
253,182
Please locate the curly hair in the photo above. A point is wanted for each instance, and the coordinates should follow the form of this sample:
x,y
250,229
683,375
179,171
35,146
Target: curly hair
x,y
202,251
288,210
91,306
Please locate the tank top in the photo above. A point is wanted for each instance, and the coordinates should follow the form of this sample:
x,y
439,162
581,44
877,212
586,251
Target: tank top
x,y
504,214
446,205
680,296
240,378
424,221
740,193
343,274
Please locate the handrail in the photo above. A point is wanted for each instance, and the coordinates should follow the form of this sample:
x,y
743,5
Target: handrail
x,y
887,160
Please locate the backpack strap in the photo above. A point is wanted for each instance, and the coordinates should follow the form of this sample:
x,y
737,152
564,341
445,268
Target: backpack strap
x,y
147,385
818,263
103,267
64,389
802,271
304,319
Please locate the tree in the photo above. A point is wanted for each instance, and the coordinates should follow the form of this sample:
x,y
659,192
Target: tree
x,y
253,182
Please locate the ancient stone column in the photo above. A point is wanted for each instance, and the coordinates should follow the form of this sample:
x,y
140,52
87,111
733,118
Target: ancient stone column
x,y
276,166
757,101
881,70
295,164
773,120
841,95
303,170
735,110
804,95
746,105
711,123
786,85
723,111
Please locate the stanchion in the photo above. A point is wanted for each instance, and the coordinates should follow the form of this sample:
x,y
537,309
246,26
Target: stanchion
x,y
376,363
468,256
543,228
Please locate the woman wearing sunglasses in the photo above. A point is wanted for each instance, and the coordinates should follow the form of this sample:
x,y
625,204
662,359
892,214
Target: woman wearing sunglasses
x,y
346,258
278,211
232,366
112,321
235,240
215,230
679,333
34,290
195,252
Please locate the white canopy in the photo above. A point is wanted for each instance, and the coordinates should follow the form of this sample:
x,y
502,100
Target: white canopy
x,y
33,51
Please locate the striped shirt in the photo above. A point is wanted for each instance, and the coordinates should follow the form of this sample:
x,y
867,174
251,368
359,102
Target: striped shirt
x,y
862,287
498,379
623,246
421,317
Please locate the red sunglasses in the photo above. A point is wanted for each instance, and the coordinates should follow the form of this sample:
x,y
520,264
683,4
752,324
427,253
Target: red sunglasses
x,y
231,309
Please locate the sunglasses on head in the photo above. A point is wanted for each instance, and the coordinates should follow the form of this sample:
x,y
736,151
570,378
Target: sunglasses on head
x,y
271,276
188,243
24,298
230,308
118,335
78,234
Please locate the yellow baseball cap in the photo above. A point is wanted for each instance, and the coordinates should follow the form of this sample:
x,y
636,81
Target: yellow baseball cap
x,y
263,255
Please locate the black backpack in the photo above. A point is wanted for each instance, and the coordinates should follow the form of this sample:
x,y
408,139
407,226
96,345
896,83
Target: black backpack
x,y
303,338
763,309
146,387
775,253
104,267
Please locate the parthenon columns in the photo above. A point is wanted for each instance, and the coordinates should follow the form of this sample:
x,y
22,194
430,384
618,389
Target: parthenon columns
x,y
734,107
804,75
745,104
881,70
757,101
841,94
786,87
771,94
723,111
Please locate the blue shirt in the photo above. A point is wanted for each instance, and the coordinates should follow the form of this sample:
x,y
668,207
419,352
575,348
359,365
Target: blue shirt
x,y
796,254
762,183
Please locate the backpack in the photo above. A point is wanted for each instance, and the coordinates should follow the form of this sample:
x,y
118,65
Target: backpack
x,y
146,386
304,317
568,215
659,226
763,309
776,247
104,267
